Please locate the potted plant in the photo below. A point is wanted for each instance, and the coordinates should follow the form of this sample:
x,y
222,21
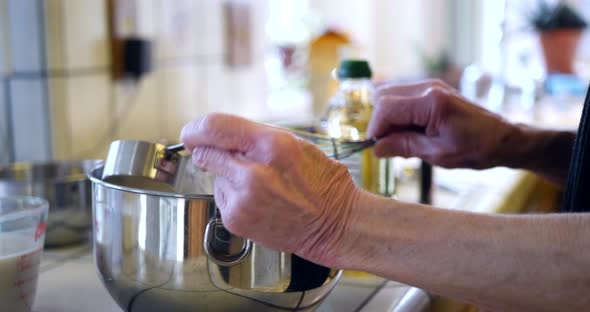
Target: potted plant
x,y
560,28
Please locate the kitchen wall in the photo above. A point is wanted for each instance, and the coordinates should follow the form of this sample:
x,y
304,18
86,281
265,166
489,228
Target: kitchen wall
x,y
62,103
57,99
393,33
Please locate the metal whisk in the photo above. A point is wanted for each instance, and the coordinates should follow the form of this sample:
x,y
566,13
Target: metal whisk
x,y
333,147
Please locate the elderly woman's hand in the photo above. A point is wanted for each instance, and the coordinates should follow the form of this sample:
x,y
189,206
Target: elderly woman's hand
x,y
274,188
432,121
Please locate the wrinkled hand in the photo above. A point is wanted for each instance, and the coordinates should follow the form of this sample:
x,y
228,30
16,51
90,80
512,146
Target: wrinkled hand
x,y
273,188
430,120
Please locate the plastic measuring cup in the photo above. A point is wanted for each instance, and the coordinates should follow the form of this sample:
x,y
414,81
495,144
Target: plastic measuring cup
x,y
23,220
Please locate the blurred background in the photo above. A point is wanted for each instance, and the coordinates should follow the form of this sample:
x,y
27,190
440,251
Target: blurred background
x,y
77,74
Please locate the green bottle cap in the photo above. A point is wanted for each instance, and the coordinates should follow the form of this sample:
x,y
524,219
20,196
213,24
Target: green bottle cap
x,y
354,69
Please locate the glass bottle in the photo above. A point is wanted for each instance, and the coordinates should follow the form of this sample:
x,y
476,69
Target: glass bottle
x,y
347,116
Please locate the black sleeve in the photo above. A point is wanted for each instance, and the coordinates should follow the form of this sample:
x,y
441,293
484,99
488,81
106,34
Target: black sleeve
x,y
577,194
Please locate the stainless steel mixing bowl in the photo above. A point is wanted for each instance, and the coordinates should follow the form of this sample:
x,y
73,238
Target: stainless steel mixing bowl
x,y
162,251
65,185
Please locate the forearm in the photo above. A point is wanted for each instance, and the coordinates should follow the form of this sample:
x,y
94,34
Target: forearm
x,y
499,262
545,152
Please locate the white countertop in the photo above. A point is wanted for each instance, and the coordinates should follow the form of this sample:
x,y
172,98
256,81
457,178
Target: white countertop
x,y
68,282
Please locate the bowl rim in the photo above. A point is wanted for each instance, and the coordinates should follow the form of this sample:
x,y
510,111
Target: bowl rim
x,y
95,176
30,206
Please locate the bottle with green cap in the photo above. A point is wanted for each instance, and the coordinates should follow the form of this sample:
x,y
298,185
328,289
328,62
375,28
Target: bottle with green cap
x,y
349,110
348,115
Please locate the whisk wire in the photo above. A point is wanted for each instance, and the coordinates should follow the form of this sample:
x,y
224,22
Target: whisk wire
x,y
333,147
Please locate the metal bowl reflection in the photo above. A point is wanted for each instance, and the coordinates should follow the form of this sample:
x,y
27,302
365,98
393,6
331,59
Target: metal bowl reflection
x,y
65,185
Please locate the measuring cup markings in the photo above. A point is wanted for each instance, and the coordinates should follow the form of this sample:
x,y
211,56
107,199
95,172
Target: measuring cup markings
x,y
32,254
23,266
24,261
25,283
27,297
24,296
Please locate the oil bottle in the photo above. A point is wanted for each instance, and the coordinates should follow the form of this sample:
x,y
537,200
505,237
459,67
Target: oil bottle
x,y
347,116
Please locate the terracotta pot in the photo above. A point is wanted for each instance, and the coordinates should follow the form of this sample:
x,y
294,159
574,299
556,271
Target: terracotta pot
x,y
559,49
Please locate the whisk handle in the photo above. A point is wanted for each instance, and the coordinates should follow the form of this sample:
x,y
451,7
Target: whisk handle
x,y
175,148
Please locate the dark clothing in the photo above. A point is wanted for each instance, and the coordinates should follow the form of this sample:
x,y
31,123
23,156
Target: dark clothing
x,y
577,194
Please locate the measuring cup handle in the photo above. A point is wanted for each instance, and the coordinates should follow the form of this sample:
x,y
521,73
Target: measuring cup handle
x,y
219,259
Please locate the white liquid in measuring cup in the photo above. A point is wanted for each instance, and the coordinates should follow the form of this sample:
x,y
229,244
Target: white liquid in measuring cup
x,y
19,268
